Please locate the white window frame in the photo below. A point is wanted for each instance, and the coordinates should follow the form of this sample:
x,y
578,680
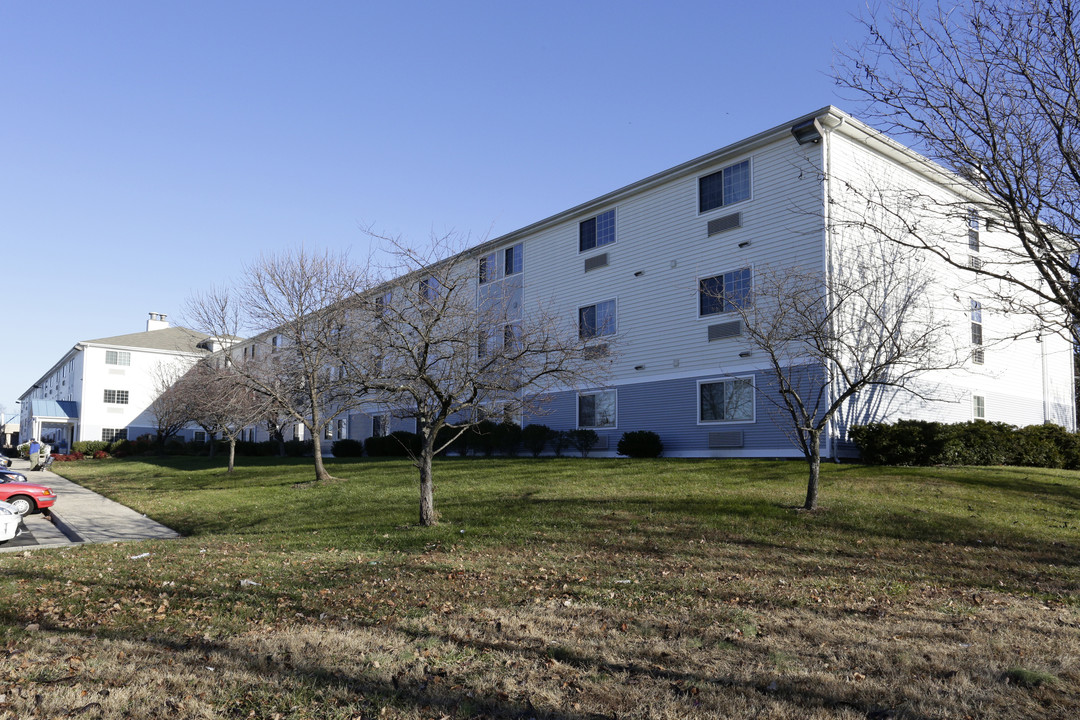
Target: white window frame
x,y
117,394
614,392
521,252
120,358
974,226
487,268
614,331
383,420
976,402
614,214
722,313
727,379
114,434
697,181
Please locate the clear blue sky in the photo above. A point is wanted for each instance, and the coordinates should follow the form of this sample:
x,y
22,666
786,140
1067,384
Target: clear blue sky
x,y
149,149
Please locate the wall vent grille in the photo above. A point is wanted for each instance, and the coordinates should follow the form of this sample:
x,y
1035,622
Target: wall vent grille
x,y
722,331
596,261
727,222
725,439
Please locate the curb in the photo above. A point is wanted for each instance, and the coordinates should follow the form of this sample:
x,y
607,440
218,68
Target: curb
x,y
65,529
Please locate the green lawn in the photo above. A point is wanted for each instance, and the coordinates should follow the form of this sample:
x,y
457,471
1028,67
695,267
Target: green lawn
x,y
559,588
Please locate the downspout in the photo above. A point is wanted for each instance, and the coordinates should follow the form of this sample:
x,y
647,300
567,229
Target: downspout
x,y
825,124
1045,392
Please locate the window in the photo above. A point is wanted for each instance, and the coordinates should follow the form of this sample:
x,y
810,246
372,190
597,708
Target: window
x,y
117,397
381,303
596,231
200,436
512,260
973,230
488,269
342,428
596,320
512,338
378,425
429,289
976,323
724,187
724,293
275,343
597,409
728,400
978,407
117,357
111,434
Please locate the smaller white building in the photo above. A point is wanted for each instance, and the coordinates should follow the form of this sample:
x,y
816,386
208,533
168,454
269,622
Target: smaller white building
x,y
102,389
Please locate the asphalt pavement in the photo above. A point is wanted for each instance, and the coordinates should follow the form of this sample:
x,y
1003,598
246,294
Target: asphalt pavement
x,y
81,516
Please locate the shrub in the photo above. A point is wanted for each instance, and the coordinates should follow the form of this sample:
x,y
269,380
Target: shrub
x,y
913,442
560,440
459,445
121,448
176,446
100,455
397,444
24,450
640,444
508,437
905,442
976,443
535,438
482,437
294,448
89,447
583,440
347,448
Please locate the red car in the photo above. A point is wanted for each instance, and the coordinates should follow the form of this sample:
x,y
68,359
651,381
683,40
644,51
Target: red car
x,y
26,497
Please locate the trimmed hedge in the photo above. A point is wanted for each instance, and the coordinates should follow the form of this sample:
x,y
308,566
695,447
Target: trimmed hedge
x,y
584,440
640,444
89,447
918,442
397,444
534,437
347,448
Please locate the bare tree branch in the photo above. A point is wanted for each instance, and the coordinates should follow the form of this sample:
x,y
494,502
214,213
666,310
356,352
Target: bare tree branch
x,y
448,346
991,91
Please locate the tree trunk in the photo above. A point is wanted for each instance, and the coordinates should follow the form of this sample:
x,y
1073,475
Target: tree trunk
x,y
213,443
232,454
428,516
814,461
320,469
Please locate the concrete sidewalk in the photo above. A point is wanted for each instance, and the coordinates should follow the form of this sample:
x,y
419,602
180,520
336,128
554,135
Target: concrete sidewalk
x,y
83,516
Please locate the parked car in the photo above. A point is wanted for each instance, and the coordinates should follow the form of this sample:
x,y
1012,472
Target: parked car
x,y
26,497
5,461
9,522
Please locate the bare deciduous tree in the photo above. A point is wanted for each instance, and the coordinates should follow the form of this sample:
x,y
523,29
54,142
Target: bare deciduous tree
x,y
170,407
867,325
221,402
298,310
448,348
991,91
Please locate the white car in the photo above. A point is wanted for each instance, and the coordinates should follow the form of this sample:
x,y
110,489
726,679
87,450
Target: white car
x,y
9,522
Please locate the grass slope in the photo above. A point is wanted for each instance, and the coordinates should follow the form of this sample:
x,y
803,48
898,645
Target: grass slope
x,y
556,589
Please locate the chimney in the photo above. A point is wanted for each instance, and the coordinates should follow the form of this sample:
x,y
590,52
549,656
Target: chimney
x,y
157,321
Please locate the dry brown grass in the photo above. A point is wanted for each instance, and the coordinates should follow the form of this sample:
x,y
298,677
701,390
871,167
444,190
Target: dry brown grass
x,y
635,614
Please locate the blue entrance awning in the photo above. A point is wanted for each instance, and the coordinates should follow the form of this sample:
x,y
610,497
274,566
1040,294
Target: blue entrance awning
x,y
55,409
